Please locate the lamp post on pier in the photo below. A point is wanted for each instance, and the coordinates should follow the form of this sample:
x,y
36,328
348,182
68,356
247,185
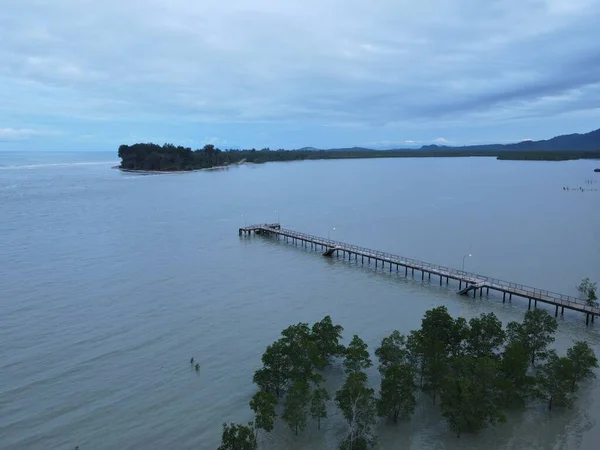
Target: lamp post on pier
x,y
463,265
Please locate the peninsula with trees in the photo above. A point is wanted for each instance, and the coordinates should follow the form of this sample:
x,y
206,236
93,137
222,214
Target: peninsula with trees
x,y
475,371
170,158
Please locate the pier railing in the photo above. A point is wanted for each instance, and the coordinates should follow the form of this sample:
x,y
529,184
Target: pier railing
x,y
526,291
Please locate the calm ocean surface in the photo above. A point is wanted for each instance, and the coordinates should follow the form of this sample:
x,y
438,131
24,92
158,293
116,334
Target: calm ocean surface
x,y
110,282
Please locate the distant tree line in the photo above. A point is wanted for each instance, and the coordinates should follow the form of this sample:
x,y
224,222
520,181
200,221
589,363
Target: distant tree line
x,y
153,157
475,371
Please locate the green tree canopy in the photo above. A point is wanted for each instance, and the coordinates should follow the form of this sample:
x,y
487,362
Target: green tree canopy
x,y
555,381
470,396
392,351
583,360
318,405
295,411
263,404
485,336
516,383
357,356
238,437
357,403
327,337
275,374
588,290
536,333
397,393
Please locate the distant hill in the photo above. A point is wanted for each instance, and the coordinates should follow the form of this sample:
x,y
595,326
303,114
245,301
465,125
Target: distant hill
x,y
569,142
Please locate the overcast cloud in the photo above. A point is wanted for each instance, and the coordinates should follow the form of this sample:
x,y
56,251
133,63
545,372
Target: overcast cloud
x,y
85,74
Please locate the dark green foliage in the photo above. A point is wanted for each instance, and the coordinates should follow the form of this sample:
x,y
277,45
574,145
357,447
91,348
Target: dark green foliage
x,y
302,353
326,336
536,333
393,350
440,339
516,383
470,396
357,403
397,393
583,360
357,356
275,373
485,336
238,437
589,291
263,404
295,411
555,381
318,405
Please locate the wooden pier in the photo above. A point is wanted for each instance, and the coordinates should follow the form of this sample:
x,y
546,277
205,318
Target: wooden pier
x,y
467,282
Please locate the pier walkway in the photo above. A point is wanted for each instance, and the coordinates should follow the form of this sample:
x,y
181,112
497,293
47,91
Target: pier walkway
x,y
472,282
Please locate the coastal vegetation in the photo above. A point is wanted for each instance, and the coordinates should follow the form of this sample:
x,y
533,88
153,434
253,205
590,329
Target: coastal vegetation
x,y
171,158
588,291
475,371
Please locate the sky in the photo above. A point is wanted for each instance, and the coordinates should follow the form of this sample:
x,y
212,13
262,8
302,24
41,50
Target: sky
x,y
91,75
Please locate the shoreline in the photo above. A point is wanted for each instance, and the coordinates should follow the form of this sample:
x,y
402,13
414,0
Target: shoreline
x,y
164,172
244,163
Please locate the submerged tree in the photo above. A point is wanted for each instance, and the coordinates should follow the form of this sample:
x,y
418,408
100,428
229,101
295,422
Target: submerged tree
x,y
485,336
555,381
275,374
470,397
318,405
357,403
327,337
516,383
296,406
238,437
583,360
536,333
393,350
263,404
440,338
357,356
588,290
397,393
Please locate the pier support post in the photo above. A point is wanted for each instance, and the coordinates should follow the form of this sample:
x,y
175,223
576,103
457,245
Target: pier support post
x,y
429,276
390,267
474,292
529,307
510,297
422,275
480,292
362,259
487,291
593,318
587,319
413,273
504,297
556,312
562,311
406,271
446,281
459,284
440,280
535,303
376,263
